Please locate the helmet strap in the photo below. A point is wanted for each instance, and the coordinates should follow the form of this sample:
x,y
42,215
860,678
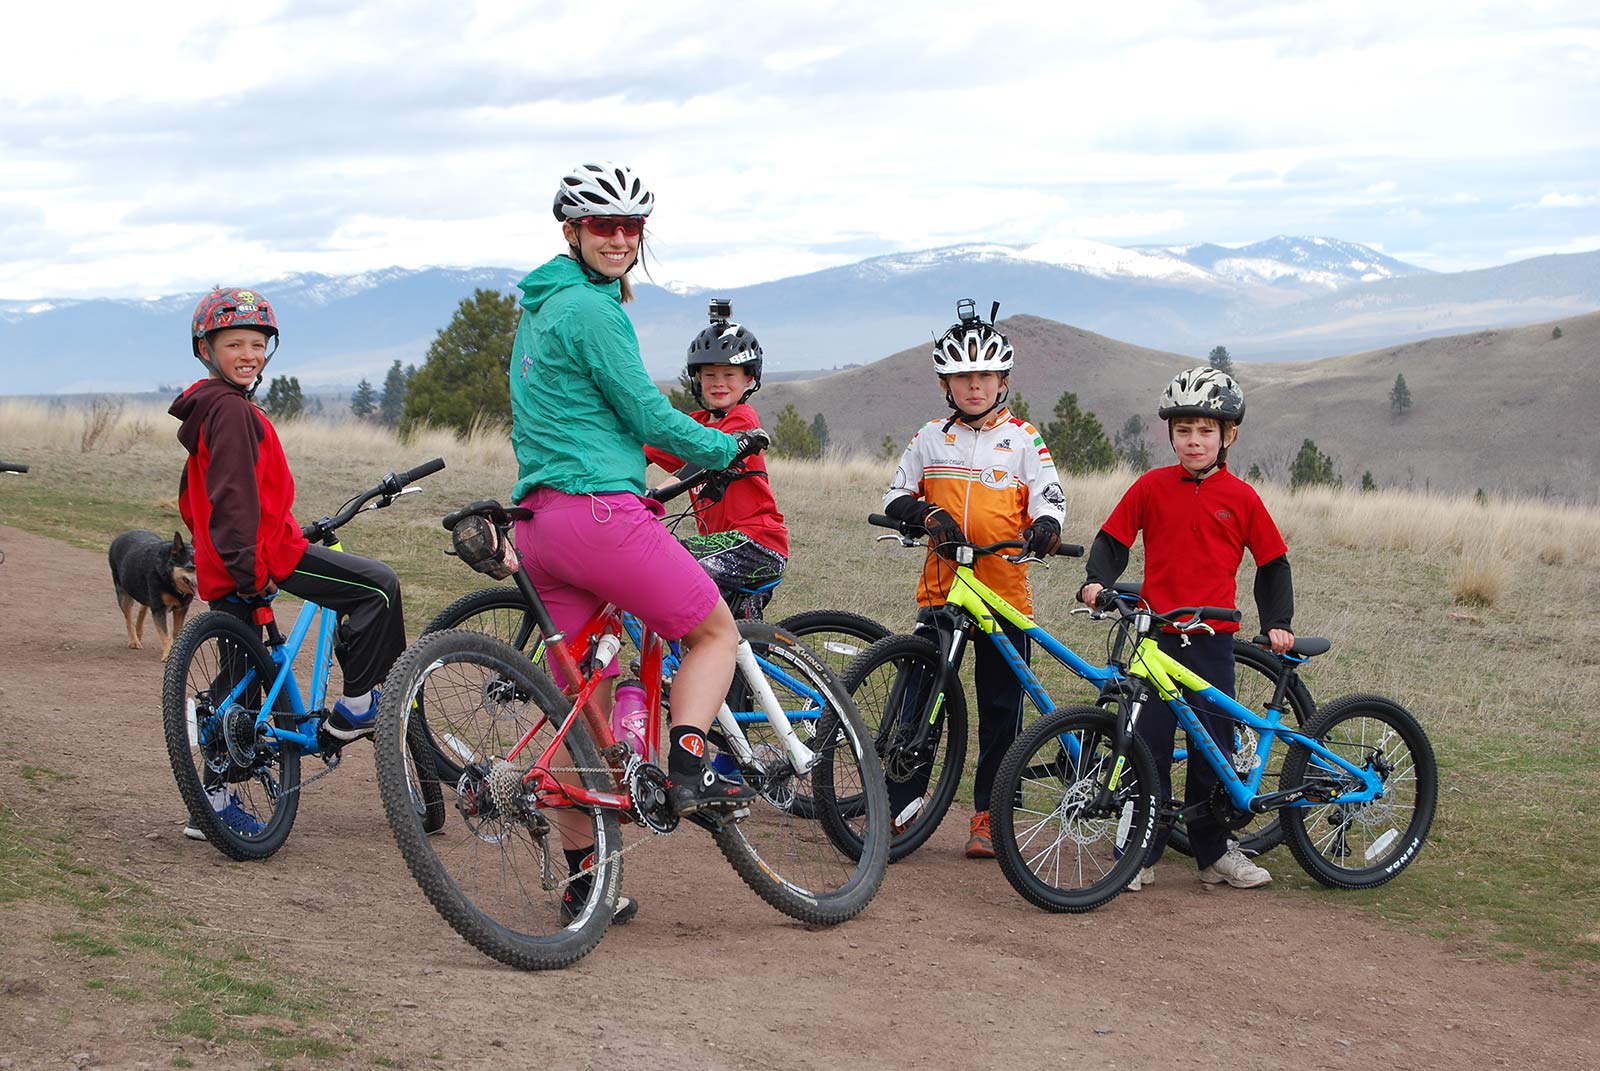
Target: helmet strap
x,y
974,420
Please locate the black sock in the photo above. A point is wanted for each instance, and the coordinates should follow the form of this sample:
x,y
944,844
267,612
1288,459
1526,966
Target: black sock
x,y
577,859
687,755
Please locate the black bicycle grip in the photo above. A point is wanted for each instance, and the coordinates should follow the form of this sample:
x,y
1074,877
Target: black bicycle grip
x,y
427,468
1217,613
11,466
881,521
1070,550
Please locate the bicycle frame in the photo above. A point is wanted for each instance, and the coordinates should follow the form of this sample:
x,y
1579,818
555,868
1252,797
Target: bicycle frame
x,y
1171,680
602,635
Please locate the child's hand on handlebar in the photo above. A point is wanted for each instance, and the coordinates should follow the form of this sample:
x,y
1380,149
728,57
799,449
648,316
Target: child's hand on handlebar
x,y
1043,537
1089,595
751,442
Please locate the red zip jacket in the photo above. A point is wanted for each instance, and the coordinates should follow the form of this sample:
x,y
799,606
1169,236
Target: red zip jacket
x,y
235,493
747,506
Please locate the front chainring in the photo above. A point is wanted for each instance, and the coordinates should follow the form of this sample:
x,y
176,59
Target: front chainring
x,y
648,786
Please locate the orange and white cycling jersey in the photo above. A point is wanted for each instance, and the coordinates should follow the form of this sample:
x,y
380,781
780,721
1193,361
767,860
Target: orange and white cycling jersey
x,y
995,480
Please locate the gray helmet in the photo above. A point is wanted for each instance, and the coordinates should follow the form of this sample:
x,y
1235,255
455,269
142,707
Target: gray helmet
x,y
1203,392
723,342
603,189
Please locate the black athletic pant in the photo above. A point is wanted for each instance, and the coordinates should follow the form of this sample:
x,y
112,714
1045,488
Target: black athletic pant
x,y
1212,658
999,707
366,595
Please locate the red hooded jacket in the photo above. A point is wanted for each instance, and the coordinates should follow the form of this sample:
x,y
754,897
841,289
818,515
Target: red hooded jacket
x,y
236,492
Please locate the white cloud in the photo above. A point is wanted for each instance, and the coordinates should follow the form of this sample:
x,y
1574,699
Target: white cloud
x,y
186,144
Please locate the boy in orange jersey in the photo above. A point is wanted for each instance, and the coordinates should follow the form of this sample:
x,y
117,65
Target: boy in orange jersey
x,y
979,475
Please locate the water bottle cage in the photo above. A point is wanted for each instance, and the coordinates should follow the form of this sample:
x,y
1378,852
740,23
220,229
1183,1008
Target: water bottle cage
x,y
484,546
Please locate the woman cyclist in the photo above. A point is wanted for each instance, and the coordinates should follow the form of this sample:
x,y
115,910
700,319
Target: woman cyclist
x,y
582,409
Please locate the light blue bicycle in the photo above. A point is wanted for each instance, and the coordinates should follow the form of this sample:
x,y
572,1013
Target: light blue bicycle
x,y
236,722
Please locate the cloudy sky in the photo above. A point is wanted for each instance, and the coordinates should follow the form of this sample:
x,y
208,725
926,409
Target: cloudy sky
x,y
165,146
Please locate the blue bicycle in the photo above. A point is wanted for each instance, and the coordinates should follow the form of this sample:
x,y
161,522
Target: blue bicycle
x,y
236,722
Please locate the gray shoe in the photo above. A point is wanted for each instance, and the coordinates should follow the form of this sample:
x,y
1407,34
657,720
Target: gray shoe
x,y
1237,870
1145,876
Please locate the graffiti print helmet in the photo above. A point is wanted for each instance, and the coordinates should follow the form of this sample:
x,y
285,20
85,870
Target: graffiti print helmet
x,y
228,307
1203,392
971,345
603,189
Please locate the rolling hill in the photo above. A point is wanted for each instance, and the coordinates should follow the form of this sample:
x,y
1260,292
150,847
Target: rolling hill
x,y
1504,410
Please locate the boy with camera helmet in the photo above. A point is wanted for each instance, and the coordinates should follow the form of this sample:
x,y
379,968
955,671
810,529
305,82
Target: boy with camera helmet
x,y
1198,519
978,475
742,543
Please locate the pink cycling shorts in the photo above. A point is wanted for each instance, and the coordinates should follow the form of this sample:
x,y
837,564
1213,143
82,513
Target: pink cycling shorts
x,y
583,551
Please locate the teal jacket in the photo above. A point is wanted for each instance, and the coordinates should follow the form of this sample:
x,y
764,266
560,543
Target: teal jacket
x,y
582,406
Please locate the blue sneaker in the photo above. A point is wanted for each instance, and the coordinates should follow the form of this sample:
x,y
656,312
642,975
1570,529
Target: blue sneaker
x,y
343,725
233,815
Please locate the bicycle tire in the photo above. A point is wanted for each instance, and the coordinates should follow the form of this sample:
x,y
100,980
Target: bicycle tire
x,y
486,695
1256,675
213,652
777,849
1322,836
894,675
500,611
835,636
1096,853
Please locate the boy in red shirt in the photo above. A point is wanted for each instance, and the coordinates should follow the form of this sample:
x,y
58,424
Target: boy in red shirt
x,y
742,543
235,495
1198,519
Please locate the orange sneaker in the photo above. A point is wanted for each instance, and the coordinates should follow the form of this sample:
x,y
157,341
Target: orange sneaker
x,y
980,843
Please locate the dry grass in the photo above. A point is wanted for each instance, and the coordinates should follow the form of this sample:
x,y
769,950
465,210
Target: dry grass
x,y
1505,688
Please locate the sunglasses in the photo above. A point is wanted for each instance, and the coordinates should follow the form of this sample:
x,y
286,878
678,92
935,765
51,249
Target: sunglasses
x,y
606,226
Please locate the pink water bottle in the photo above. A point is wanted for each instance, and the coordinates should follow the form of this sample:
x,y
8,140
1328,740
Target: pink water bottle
x,y
628,715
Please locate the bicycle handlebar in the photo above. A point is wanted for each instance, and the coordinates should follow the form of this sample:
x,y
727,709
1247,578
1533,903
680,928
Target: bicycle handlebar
x,y
691,476
1181,617
913,531
12,466
385,489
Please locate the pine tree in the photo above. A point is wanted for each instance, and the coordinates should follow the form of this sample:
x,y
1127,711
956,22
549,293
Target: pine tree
x,y
363,403
1367,482
682,396
1312,468
819,432
1076,439
284,399
1130,445
1019,407
1399,396
1218,358
464,376
392,405
890,448
791,436
1255,474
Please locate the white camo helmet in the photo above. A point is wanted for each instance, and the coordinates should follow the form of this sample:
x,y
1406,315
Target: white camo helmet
x,y
603,189
1203,392
972,345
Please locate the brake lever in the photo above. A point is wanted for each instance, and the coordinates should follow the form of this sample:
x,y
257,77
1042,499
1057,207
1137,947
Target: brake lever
x,y
385,501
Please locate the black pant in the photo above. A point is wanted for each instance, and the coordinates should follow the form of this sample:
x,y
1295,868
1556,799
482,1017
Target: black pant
x,y
1212,658
366,595
999,715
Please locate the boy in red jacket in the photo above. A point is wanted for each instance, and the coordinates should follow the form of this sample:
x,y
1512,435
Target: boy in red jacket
x,y
235,495
742,543
1198,519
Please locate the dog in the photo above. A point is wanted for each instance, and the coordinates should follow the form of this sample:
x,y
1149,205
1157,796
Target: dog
x,y
154,575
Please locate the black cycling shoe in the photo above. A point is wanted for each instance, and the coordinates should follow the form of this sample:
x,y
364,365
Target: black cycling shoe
x,y
626,908
709,791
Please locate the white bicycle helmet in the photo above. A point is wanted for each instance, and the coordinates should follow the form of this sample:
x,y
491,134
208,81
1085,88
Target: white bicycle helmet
x,y
1203,392
603,189
972,345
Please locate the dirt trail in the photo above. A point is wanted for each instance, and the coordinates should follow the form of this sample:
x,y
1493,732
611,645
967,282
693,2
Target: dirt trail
x,y
947,969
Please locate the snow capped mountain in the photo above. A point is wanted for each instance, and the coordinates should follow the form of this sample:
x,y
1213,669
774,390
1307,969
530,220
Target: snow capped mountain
x,y
1075,254
1283,297
1314,264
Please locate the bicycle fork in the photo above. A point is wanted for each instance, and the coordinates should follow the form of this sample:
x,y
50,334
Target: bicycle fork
x,y
801,757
